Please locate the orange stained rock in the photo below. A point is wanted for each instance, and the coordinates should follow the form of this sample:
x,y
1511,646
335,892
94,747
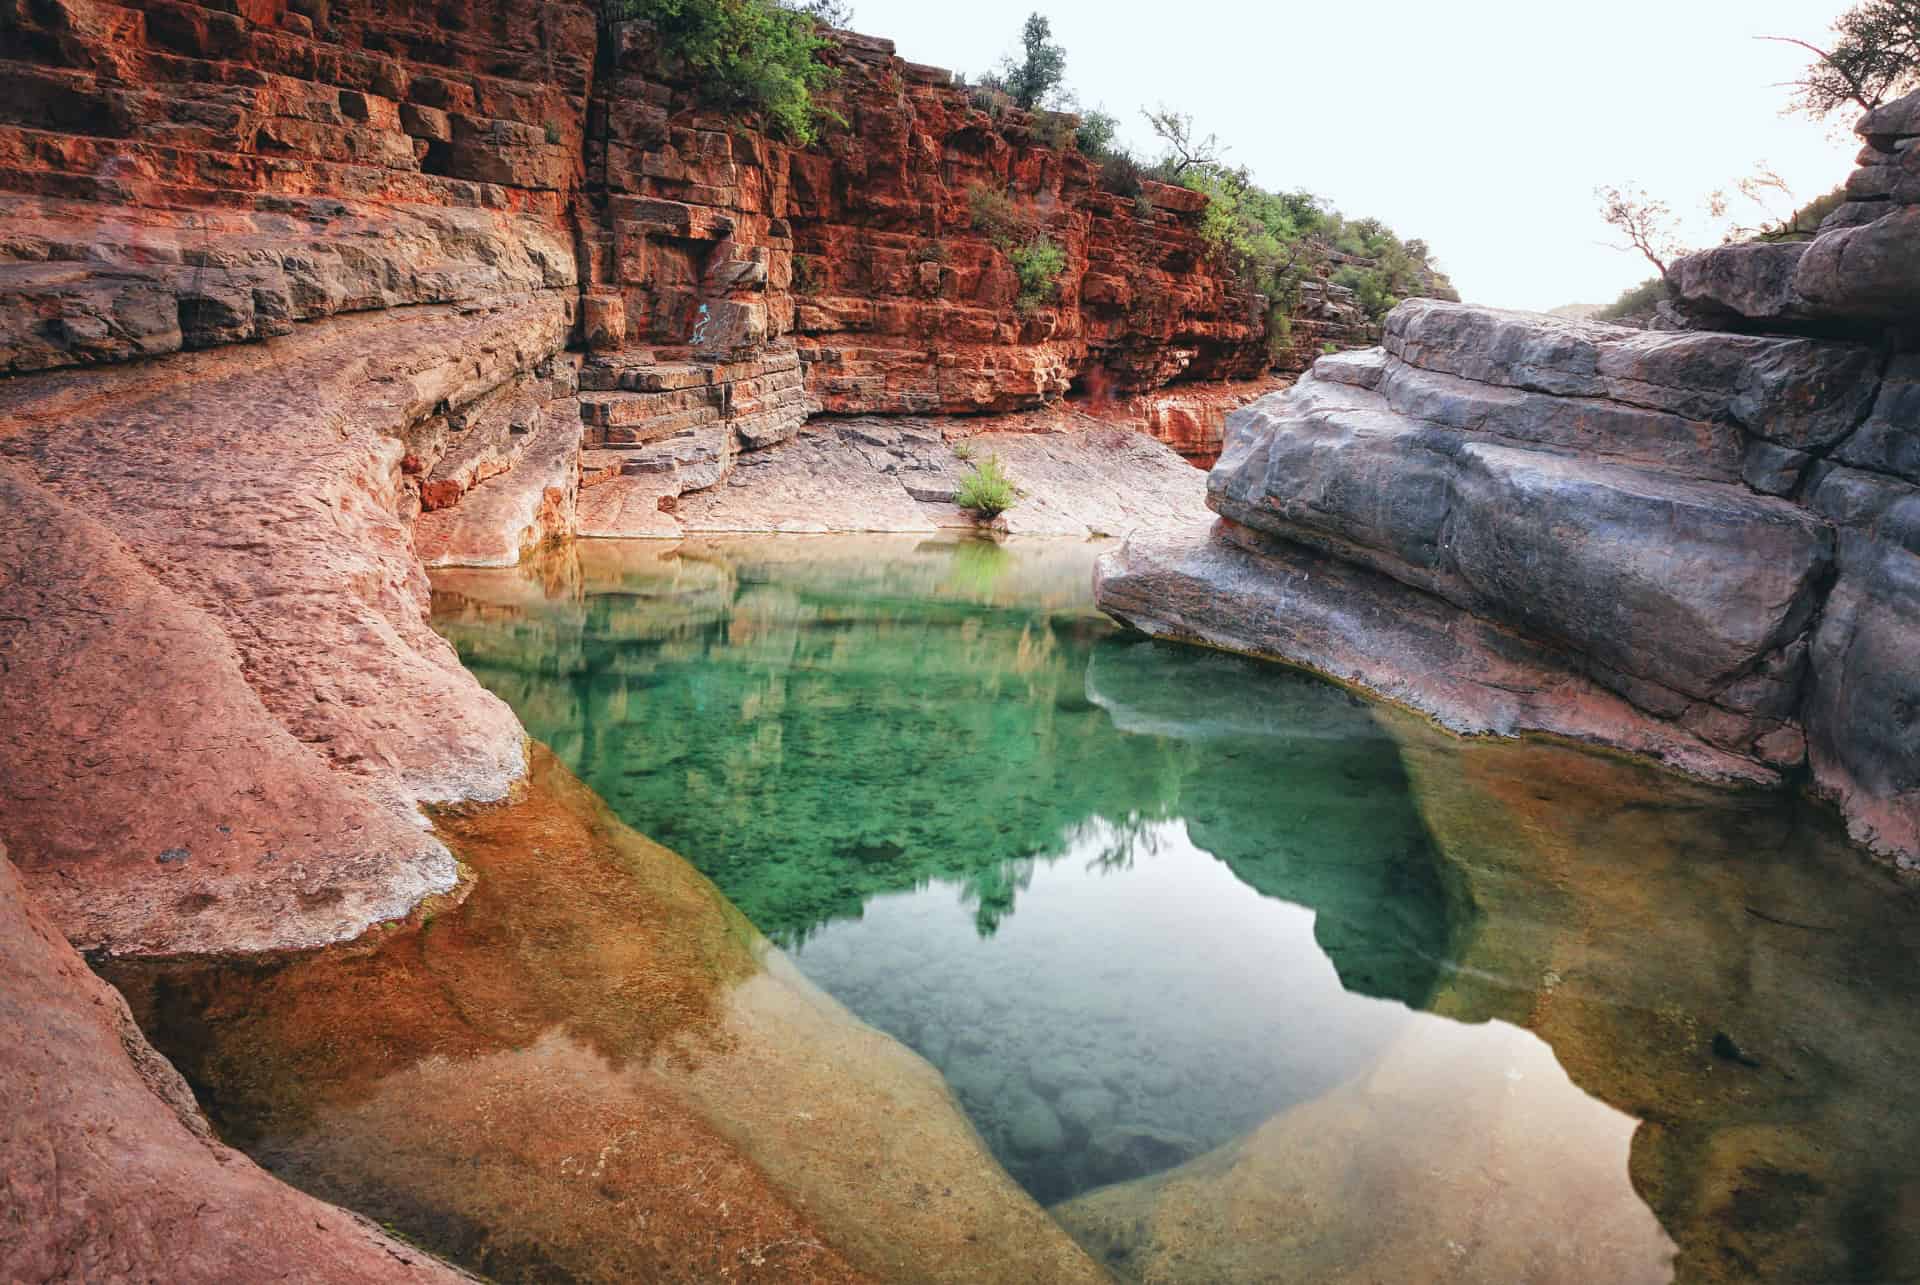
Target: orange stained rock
x,y
594,1065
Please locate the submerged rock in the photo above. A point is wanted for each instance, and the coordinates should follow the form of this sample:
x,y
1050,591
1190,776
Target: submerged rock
x,y
112,1173
595,1041
1033,1128
1648,1059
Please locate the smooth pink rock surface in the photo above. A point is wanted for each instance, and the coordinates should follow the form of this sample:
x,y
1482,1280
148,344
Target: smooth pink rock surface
x,y
108,1171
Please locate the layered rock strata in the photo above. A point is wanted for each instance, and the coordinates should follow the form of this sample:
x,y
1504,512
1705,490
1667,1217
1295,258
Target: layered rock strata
x,y
178,176
1860,274
883,252
1650,541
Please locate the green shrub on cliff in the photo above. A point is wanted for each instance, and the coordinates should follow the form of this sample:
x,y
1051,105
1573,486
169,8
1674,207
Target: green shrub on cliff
x,y
1098,135
987,490
996,217
1804,223
1038,264
1278,239
746,55
1634,302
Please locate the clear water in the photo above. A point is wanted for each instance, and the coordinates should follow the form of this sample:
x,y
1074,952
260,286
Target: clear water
x,y
1343,997
1244,978
1130,899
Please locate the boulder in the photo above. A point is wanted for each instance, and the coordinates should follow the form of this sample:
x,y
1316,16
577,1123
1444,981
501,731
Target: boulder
x,y
1692,545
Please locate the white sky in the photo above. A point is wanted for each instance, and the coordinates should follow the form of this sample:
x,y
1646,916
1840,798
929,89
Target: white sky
x,y
1482,126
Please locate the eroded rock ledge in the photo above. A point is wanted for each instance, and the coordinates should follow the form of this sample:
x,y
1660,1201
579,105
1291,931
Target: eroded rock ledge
x,y
1700,547
215,594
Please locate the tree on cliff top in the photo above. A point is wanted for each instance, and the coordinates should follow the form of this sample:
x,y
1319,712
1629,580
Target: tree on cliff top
x,y
745,55
825,13
1035,78
1184,151
1874,56
1647,224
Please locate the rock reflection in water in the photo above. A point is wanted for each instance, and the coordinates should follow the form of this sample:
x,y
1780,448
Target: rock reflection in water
x,y
926,767
1139,902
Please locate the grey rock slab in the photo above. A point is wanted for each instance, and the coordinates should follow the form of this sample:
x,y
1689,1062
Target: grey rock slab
x,y
1755,281
1889,441
1683,583
1871,272
1891,121
1863,707
1795,391
1267,598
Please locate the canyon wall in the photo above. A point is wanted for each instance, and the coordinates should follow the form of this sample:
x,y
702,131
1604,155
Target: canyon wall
x,y
292,298
1700,546
736,285
881,252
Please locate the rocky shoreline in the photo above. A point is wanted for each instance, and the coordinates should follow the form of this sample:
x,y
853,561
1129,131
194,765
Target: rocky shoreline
x,y
1701,546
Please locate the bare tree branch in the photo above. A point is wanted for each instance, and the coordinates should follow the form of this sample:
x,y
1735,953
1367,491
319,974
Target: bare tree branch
x,y
1857,92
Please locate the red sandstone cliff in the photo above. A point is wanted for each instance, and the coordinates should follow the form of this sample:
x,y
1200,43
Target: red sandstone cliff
x,y
222,707
866,251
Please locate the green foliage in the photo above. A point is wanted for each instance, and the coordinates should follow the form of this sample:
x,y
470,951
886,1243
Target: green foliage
x,y
996,217
1097,134
987,490
1371,287
1634,302
1038,264
1122,174
1873,56
809,277
1034,79
1279,331
990,96
553,132
825,13
1056,130
1804,223
1278,239
746,55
